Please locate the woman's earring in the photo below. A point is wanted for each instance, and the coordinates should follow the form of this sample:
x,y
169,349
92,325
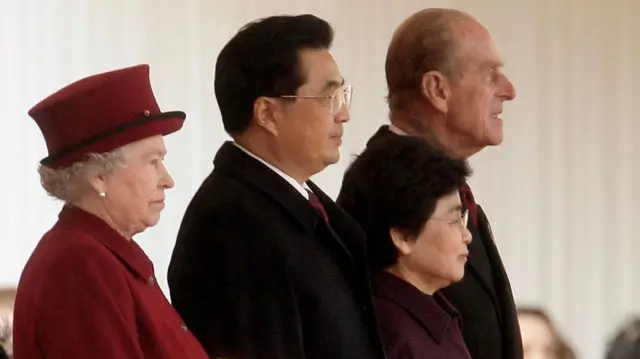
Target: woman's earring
x,y
102,194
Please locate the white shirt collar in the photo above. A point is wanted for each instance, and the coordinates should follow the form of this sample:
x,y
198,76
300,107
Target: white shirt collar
x,y
397,130
302,188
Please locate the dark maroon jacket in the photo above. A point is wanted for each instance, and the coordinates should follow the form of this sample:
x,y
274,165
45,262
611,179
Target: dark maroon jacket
x,y
415,325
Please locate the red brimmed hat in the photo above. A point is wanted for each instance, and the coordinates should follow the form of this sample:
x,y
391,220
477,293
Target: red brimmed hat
x,y
101,113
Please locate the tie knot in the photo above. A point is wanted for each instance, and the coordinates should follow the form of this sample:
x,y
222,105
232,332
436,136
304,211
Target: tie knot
x,y
466,196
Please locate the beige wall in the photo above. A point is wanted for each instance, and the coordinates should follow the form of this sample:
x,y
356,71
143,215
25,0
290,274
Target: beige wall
x,y
7,297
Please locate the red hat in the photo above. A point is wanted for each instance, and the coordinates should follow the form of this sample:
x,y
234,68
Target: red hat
x,y
101,113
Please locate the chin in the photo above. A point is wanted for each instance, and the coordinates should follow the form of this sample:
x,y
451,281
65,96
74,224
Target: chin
x,y
458,276
332,158
494,136
153,220
496,141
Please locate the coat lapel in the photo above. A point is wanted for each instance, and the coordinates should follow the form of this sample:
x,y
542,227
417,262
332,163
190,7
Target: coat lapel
x,y
502,288
479,261
233,161
350,233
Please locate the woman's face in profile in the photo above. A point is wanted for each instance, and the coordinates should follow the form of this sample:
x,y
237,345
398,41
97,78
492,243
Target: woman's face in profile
x,y
135,193
537,338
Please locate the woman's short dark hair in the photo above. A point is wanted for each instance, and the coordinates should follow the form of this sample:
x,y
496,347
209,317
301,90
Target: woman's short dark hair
x,y
396,183
262,59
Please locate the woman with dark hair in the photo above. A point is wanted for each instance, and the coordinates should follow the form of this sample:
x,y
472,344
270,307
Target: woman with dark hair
x,y
541,339
404,194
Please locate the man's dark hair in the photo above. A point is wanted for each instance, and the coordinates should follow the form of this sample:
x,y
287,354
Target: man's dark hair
x,y
396,183
262,59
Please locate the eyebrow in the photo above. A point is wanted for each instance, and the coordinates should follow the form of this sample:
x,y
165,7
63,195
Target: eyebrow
x,y
494,63
156,152
457,208
332,84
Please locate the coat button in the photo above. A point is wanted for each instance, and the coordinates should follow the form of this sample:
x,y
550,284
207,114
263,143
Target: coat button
x,y
151,280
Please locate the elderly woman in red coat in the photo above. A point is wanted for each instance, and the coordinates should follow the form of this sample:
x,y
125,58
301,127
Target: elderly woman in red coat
x,y
88,290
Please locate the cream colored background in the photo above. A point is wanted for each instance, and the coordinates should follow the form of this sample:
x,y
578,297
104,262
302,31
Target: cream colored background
x,y
560,191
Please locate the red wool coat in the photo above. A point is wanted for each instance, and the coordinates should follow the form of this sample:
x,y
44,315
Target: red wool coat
x,y
86,292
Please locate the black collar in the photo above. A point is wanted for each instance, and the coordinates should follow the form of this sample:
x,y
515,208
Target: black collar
x,y
235,162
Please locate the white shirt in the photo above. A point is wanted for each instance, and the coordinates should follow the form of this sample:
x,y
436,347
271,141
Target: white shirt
x,y
302,188
397,130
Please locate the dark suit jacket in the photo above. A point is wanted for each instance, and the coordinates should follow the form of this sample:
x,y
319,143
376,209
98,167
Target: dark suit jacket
x,y
257,274
483,297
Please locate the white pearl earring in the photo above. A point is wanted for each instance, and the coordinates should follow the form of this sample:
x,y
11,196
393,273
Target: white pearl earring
x,y
102,194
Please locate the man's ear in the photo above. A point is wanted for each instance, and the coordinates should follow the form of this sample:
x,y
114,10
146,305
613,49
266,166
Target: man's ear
x,y
401,241
435,88
266,112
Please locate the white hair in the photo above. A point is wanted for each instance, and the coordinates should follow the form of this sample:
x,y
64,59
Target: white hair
x,y
69,184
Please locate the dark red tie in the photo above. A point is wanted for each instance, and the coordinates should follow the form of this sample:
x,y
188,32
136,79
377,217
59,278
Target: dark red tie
x,y
315,202
466,196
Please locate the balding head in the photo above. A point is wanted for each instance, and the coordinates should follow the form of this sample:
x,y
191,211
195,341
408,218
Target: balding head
x,y
445,80
426,41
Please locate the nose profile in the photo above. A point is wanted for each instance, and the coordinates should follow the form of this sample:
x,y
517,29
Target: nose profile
x,y
166,180
344,115
508,90
466,236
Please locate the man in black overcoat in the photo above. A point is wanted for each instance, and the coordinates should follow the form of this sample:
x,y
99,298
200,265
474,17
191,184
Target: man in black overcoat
x,y
266,265
446,84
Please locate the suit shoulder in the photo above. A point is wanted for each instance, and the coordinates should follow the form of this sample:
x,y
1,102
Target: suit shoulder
x,y
75,245
391,314
70,261
221,217
70,252
222,198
